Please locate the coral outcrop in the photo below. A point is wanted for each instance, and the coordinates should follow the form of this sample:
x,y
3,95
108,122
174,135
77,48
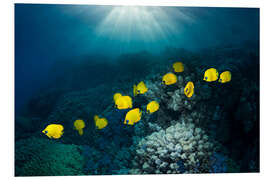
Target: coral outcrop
x,y
100,162
44,157
181,146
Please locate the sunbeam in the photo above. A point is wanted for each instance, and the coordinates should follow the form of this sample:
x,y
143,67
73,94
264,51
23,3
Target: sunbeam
x,y
148,24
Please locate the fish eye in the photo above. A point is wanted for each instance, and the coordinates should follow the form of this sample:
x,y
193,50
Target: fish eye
x,y
46,132
205,77
127,122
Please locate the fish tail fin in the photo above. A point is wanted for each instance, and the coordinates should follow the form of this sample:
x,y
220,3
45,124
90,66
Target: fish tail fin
x,y
135,90
80,132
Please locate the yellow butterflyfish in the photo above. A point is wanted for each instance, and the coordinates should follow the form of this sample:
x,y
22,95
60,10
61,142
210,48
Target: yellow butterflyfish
x,y
123,102
133,116
151,107
139,89
79,125
189,89
178,67
225,77
210,75
100,122
54,131
169,79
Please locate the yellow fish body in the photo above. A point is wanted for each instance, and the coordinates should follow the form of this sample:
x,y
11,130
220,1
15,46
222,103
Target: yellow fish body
x,y
139,89
225,77
116,96
100,122
189,89
123,102
169,79
210,75
54,131
151,107
133,116
120,103
79,125
178,67
128,100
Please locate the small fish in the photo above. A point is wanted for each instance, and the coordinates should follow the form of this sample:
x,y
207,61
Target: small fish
x,y
189,89
210,75
169,79
178,67
225,77
54,131
139,89
123,102
116,96
100,122
79,125
152,107
133,116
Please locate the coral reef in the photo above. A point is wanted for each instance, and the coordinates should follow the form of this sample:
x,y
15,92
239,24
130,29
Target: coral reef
x,y
218,163
221,163
163,151
179,102
110,151
101,162
44,157
26,126
202,134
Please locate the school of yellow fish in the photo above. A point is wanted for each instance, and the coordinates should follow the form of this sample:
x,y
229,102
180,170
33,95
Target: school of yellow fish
x,y
133,116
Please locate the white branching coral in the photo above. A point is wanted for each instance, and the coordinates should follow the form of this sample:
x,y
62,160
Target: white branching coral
x,y
162,151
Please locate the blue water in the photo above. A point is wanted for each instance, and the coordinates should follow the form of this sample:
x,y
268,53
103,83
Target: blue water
x,y
71,59
45,34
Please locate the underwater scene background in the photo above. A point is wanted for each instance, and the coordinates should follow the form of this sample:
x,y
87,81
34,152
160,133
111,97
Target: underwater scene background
x,y
70,60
